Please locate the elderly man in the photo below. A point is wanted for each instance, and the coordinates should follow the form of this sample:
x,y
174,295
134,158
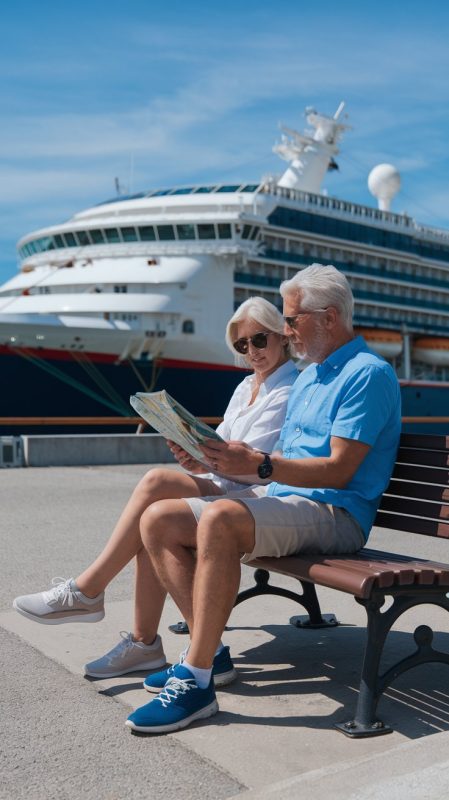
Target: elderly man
x,y
318,491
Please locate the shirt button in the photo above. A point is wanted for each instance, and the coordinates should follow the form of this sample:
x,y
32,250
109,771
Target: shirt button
x,y
298,430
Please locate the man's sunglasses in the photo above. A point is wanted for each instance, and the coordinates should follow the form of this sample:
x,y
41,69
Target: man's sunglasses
x,y
290,321
259,340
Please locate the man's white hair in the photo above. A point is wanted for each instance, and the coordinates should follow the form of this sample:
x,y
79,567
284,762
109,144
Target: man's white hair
x,y
322,286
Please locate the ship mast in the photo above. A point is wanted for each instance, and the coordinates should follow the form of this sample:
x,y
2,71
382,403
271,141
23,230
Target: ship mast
x,y
310,153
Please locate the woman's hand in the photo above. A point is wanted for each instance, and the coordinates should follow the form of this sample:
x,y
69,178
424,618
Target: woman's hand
x,y
231,458
185,459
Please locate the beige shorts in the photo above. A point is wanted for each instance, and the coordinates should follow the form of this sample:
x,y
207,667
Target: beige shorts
x,y
293,524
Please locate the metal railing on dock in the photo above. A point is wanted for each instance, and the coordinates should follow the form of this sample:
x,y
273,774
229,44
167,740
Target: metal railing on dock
x,y
77,421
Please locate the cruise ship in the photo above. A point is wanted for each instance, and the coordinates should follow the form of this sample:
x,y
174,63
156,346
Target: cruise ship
x,y
134,293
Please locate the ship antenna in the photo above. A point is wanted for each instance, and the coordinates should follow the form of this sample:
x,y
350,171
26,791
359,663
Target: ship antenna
x,y
310,154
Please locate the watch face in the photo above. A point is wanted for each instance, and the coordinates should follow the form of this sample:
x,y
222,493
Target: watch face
x,y
265,469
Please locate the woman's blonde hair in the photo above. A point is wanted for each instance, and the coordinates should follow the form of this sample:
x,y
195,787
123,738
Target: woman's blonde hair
x,y
259,310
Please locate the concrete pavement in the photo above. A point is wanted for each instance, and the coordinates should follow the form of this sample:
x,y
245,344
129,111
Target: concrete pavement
x,y
273,735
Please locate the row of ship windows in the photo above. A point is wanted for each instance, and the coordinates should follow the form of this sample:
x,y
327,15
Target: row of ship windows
x,y
365,290
408,274
392,318
141,233
182,190
298,251
356,232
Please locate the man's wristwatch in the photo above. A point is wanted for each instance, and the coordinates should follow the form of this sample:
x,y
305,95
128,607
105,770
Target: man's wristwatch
x,y
265,469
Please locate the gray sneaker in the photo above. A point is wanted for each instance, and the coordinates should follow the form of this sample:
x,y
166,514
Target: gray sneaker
x,y
63,603
127,656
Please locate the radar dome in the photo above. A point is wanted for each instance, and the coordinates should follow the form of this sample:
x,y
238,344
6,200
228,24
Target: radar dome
x,y
384,182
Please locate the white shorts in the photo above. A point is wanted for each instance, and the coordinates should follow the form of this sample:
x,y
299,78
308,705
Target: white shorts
x,y
292,524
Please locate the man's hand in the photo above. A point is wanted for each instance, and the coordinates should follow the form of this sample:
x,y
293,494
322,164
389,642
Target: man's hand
x,y
231,458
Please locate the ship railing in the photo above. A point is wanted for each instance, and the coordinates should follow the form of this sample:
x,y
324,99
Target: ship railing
x,y
141,425
63,422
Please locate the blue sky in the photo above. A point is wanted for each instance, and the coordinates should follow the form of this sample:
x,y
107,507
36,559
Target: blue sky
x,y
159,94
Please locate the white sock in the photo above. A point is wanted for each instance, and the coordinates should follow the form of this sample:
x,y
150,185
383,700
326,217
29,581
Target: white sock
x,y
202,676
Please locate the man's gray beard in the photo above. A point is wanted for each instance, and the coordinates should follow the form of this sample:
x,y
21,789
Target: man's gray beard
x,y
317,350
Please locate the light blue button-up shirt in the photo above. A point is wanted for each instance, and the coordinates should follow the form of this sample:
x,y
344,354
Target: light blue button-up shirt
x,y
353,394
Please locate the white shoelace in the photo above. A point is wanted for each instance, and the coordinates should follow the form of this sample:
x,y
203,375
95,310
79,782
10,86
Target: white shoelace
x,y
121,649
61,592
175,687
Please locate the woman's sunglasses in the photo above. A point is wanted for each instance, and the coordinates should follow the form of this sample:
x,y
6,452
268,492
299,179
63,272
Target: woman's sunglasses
x,y
259,340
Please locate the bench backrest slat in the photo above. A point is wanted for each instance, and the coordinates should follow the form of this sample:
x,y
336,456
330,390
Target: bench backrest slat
x,y
400,522
428,491
420,476
415,472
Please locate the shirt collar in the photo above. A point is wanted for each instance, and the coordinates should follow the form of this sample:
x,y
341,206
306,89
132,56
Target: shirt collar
x,y
342,354
278,374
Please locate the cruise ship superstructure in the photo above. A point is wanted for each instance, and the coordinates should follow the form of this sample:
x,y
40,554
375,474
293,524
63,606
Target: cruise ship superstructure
x,y
136,292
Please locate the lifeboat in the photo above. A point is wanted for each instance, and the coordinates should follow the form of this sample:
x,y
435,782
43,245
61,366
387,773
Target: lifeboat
x,y
432,351
387,343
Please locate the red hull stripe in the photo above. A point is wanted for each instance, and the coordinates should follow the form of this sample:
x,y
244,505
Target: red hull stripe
x,y
105,358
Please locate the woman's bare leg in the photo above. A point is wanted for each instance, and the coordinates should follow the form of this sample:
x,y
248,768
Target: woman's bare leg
x,y
125,541
149,598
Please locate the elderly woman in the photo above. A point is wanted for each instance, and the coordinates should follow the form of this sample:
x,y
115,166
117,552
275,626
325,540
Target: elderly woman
x,y
254,415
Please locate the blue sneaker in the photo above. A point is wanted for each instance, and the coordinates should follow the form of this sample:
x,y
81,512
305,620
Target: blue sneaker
x,y
180,703
223,672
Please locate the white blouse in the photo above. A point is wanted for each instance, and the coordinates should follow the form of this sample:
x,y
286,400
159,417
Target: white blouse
x,y
259,424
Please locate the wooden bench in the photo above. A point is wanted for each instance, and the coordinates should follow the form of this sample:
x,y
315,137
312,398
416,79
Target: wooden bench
x,y
416,501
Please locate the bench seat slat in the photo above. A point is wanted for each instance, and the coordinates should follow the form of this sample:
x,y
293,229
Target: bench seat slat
x,y
360,573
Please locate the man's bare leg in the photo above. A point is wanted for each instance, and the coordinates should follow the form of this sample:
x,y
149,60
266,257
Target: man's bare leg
x,y
204,588
168,532
226,530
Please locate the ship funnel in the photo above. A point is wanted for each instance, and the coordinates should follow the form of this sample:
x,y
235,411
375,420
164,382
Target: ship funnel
x,y
384,181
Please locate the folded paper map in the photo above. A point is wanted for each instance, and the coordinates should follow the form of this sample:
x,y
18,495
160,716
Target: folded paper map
x,y
173,421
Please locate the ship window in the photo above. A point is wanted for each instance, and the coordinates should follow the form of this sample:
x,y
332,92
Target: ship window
x,y
121,288
59,241
206,232
147,233
165,232
129,234
246,231
97,236
228,188
185,231
112,235
160,193
83,237
250,187
188,326
204,189
185,190
69,239
224,231
255,232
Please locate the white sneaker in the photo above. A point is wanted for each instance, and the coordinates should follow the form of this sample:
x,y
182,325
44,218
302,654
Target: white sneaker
x,y
63,603
127,656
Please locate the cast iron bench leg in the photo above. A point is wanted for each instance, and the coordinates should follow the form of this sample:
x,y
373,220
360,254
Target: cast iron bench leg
x,y
308,599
